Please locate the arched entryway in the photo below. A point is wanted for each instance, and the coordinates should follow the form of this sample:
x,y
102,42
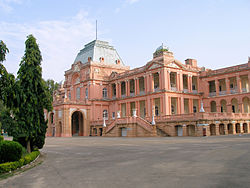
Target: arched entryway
x,y
212,129
77,124
230,128
237,126
221,129
245,128
179,130
191,130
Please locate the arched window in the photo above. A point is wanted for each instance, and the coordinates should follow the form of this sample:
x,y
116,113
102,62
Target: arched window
x,y
86,93
78,91
105,114
104,93
223,105
213,106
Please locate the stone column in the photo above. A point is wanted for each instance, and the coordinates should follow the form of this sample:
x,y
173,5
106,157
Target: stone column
x,y
182,105
228,85
217,87
164,79
137,106
179,106
181,82
177,81
189,79
190,103
117,89
184,130
152,82
168,80
127,109
239,83
234,128
145,84
138,86
217,129
128,92
241,128
225,129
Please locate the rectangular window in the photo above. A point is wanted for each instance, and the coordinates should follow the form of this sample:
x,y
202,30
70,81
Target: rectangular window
x,y
124,109
78,93
69,96
113,115
86,93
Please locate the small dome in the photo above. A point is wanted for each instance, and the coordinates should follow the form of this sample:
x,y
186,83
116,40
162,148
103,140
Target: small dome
x,y
162,47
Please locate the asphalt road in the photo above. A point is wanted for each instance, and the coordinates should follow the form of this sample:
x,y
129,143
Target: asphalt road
x,y
96,162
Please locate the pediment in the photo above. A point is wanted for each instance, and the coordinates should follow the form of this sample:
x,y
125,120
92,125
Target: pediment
x,y
154,66
174,64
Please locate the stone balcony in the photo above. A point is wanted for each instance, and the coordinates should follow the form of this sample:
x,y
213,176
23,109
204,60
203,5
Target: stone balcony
x,y
212,94
205,115
222,92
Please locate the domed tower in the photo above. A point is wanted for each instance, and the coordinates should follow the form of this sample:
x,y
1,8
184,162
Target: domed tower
x,y
162,51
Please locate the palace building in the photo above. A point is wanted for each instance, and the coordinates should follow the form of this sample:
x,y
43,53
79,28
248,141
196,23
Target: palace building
x,y
101,96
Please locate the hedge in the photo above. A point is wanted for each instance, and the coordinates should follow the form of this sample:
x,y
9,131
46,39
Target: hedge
x,y
10,166
1,138
10,151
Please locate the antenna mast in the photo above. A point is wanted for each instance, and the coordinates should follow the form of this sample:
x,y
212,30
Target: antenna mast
x,y
96,29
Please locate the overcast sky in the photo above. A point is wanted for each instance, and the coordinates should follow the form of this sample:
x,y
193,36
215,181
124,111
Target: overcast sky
x,y
215,32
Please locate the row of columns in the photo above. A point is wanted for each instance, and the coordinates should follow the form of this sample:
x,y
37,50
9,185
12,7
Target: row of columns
x,y
227,81
149,83
164,108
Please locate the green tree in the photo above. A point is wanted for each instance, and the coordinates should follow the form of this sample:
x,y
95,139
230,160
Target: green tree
x,y
7,82
52,86
32,99
3,51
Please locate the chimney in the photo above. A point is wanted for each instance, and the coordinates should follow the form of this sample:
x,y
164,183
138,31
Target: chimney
x,y
101,59
89,59
118,61
191,62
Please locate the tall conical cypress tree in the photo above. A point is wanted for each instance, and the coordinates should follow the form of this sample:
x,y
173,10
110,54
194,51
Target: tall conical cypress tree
x,y
33,98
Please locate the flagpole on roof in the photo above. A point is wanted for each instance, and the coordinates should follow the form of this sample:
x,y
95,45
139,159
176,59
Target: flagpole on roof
x,y
96,29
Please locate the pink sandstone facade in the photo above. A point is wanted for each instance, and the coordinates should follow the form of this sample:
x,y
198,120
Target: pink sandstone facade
x,y
103,97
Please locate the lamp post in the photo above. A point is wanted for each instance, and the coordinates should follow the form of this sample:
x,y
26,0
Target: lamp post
x,y
104,123
153,119
202,108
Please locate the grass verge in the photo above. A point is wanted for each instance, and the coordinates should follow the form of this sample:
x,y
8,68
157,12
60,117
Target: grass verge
x,y
27,162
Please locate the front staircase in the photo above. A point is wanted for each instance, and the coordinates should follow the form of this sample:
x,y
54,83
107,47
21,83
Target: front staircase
x,y
160,132
129,120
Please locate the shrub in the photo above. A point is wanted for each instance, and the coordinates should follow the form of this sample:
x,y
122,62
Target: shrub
x,y
1,138
10,166
10,151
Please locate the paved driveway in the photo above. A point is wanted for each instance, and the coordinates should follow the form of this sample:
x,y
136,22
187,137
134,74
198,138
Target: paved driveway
x,y
85,162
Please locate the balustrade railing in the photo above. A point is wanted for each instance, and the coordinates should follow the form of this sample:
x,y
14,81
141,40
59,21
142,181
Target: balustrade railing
x,y
222,92
212,94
